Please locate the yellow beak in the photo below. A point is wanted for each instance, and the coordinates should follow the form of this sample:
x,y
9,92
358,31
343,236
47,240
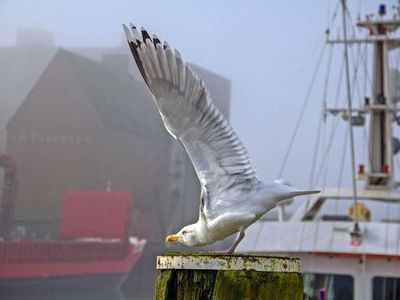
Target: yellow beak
x,y
172,238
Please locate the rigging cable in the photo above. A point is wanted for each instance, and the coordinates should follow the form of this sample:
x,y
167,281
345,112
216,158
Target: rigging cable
x,y
301,112
321,37
364,146
323,112
353,171
356,65
303,108
305,101
321,124
333,127
342,164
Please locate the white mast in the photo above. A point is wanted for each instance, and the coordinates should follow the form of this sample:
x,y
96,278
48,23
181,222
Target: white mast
x,y
349,106
380,172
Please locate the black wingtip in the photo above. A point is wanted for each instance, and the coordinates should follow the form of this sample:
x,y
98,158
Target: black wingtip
x,y
166,45
145,34
132,26
156,40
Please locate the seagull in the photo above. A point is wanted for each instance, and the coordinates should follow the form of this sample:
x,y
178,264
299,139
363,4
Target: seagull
x,y
232,198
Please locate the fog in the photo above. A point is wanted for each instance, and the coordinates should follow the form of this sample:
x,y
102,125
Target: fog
x,y
267,49
68,80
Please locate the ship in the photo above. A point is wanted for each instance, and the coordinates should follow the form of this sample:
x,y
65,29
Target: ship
x,y
351,253
94,250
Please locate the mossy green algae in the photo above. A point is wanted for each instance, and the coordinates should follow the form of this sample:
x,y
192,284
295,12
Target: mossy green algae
x,y
258,285
165,285
228,284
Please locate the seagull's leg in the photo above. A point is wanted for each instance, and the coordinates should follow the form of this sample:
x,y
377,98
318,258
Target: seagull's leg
x,y
233,247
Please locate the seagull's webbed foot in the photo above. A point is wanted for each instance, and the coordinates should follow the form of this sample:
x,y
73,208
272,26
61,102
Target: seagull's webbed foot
x,y
233,247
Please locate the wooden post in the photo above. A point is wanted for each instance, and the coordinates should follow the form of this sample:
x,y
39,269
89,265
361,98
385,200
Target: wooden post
x,y
208,276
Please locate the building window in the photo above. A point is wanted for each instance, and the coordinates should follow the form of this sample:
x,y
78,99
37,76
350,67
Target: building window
x,y
386,288
328,287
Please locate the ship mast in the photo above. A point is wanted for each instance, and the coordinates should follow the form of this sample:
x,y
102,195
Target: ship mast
x,y
380,174
381,171
349,106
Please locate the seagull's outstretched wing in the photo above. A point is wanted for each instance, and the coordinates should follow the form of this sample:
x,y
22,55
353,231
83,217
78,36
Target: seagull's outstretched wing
x,y
190,116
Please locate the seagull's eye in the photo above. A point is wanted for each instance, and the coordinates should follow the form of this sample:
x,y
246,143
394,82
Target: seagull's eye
x,y
184,232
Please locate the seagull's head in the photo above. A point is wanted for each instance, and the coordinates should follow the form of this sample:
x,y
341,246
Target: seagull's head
x,y
188,235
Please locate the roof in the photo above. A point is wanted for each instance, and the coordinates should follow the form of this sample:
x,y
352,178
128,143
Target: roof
x,y
321,236
305,233
122,102
310,209
20,69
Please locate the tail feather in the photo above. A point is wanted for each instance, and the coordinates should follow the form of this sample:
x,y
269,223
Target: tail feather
x,y
288,192
300,193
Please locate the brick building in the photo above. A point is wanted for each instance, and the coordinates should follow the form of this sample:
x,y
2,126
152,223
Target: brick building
x,y
88,125
80,118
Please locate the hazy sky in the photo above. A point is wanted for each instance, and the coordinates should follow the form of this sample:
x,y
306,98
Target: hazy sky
x,y
267,48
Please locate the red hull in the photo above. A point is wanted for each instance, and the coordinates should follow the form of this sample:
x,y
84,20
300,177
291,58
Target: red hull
x,y
94,246
41,263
